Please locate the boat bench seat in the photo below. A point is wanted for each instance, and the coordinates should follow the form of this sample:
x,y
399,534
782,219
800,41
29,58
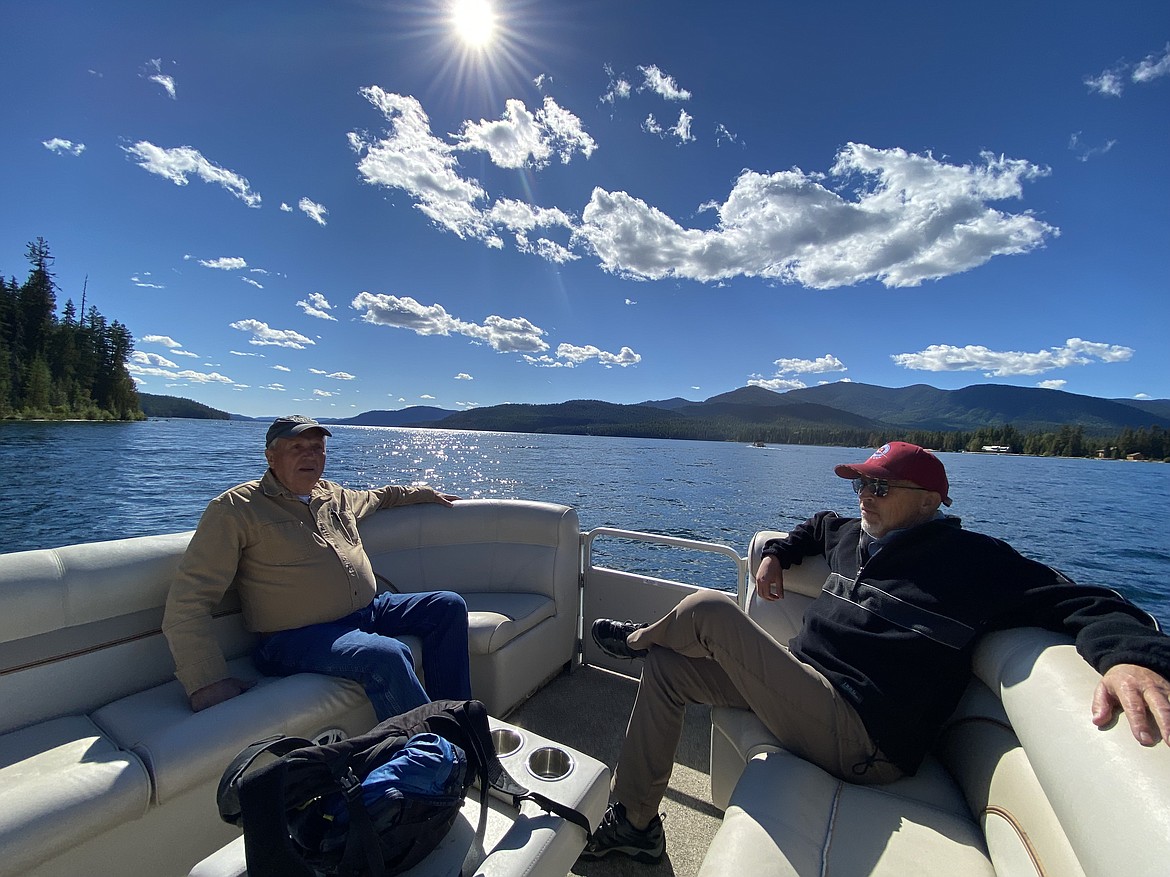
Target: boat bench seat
x,y
1020,784
100,754
63,773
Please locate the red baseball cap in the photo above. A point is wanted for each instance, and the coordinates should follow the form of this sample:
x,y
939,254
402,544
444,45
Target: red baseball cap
x,y
902,461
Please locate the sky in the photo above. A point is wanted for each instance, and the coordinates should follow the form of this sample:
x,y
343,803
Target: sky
x,y
335,207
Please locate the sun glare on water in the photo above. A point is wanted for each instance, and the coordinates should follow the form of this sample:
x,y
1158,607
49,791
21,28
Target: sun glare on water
x,y
475,22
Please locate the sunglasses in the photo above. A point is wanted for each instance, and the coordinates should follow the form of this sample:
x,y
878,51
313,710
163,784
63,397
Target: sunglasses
x,y
879,486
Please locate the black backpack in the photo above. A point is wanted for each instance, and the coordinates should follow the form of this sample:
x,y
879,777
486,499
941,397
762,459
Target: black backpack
x,y
305,813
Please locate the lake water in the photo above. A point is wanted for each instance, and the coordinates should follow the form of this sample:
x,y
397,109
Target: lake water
x,y
1098,521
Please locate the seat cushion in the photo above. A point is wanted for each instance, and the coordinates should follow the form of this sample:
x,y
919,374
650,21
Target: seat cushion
x,y
182,749
789,818
62,782
494,620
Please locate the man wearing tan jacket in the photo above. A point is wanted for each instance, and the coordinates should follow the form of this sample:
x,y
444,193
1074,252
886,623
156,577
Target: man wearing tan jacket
x,y
290,543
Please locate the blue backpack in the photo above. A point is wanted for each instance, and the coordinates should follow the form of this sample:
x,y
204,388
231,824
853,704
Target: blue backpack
x,y
369,806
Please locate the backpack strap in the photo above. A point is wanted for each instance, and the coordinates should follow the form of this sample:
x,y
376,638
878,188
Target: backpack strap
x,y
363,852
473,719
227,796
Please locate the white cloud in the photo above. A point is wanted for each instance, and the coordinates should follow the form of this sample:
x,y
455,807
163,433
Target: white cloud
x,y
1112,82
324,394
317,306
282,368
60,145
1052,385
682,128
224,263
313,210
578,355
142,283
1153,66
411,158
179,163
914,218
139,357
164,340
504,334
252,282
464,376
278,387
546,361
722,134
778,385
264,335
885,214
337,376
571,355
1109,82
1084,153
167,82
1143,396
786,367
618,89
284,208
526,139
995,364
820,365
168,342
160,78
186,375
662,84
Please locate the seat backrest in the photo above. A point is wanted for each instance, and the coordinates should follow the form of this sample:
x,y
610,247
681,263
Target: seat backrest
x,y
1110,794
80,625
476,546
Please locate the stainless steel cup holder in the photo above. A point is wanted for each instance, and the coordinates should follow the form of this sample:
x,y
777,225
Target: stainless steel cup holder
x,y
507,741
549,763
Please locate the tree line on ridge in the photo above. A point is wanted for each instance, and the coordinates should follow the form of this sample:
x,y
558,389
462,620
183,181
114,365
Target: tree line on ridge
x,y
67,366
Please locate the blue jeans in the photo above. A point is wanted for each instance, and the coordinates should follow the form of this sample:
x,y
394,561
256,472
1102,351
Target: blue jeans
x,y
362,647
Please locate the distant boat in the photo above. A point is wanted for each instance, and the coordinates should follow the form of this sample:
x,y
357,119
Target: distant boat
x,y
996,449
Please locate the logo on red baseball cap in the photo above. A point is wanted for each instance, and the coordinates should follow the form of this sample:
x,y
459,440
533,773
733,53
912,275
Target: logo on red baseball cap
x,y
902,461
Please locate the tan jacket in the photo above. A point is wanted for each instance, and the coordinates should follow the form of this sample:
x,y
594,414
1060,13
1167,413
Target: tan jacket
x,y
293,564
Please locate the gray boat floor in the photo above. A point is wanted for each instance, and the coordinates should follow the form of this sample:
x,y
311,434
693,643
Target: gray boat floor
x,y
587,709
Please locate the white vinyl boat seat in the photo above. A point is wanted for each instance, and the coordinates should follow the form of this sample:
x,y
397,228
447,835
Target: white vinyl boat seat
x,y
97,737
1021,783
63,771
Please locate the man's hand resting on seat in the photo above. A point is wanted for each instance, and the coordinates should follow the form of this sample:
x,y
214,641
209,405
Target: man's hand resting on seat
x,y
770,579
217,692
1140,693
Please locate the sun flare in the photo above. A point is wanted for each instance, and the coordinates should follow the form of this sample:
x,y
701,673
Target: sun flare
x,y
474,21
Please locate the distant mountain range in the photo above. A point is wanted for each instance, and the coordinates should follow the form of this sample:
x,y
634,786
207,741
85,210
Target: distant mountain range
x,y
837,406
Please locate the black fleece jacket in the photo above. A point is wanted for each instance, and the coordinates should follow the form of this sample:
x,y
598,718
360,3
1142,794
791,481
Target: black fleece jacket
x,y
895,634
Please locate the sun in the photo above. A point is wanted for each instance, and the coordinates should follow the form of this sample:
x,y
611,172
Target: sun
x,y
474,21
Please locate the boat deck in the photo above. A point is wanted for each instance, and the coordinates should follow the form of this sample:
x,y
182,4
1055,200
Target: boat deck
x,y
587,709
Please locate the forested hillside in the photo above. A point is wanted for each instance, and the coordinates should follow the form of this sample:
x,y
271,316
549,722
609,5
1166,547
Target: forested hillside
x,y
177,406
57,366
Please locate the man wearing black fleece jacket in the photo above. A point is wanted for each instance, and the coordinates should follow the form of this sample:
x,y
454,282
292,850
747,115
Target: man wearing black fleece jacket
x,y
885,650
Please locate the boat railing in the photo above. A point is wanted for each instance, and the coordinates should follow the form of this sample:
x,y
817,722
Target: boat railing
x,y
741,563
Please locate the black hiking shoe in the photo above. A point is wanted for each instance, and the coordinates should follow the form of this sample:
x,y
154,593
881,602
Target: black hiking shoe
x,y
611,635
615,834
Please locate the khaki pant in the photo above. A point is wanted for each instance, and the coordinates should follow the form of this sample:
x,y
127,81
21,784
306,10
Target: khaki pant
x,y
707,651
